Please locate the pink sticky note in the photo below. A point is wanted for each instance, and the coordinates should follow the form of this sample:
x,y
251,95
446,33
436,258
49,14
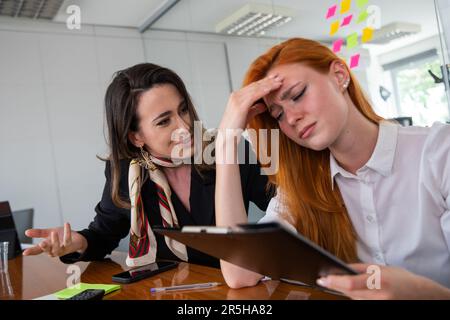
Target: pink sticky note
x,y
347,20
354,61
331,11
337,45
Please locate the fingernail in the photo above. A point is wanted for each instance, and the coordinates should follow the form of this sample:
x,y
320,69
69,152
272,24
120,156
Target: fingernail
x,y
273,76
322,282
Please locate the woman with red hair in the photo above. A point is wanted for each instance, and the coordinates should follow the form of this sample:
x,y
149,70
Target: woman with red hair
x,y
363,188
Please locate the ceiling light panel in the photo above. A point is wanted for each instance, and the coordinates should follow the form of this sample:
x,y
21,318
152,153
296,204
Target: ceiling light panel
x,y
254,20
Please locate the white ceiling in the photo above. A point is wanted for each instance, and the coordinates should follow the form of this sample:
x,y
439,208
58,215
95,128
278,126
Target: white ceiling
x,y
120,13
203,15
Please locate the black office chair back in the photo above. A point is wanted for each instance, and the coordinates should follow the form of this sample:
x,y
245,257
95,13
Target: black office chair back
x,y
8,230
404,121
23,219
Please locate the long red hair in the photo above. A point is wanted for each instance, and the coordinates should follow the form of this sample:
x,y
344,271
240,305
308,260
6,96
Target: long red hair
x,y
303,177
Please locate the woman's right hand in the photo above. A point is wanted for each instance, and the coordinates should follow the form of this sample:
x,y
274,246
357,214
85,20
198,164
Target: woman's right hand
x,y
243,104
51,244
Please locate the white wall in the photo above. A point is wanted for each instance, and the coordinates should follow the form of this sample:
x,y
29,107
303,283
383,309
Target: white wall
x,y
52,83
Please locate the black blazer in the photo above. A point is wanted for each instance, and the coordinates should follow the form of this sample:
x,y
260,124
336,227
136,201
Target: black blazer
x,y
111,223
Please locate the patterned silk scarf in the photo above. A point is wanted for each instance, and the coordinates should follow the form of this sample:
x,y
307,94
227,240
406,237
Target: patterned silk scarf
x,y
142,249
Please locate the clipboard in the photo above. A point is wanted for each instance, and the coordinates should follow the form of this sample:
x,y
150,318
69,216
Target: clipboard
x,y
271,249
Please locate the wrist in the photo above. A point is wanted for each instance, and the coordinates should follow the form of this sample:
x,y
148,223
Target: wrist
x,y
432,290
229,134
437,291
226,150
83,244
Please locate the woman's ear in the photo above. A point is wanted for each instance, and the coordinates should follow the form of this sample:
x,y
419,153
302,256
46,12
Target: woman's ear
x,y
136,139
340,73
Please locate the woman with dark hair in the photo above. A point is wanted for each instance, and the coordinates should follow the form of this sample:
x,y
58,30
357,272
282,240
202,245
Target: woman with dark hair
x,y
151,178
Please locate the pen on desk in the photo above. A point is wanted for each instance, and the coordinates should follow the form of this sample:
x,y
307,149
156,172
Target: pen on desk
x,y
187,287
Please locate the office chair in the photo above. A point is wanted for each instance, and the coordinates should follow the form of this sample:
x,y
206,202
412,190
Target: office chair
x,y
23,219
8,230
404,121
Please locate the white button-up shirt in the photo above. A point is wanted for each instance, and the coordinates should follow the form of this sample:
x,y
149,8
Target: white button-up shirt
x,y
399,202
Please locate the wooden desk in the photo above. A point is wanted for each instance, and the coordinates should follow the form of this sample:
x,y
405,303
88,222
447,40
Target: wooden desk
x,y
36,276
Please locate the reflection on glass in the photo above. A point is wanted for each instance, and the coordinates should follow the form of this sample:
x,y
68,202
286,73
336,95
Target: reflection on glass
x,y
6,290
298,295
418,95
4,256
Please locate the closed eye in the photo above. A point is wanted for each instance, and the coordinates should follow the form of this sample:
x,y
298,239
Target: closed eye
x,y
280,115
300,94
276,112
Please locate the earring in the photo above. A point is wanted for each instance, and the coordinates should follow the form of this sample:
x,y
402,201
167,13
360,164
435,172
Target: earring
x,y
145,160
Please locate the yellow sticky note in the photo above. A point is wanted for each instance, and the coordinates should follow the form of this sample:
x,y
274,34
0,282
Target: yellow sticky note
x,y
367,34
345,6
334,27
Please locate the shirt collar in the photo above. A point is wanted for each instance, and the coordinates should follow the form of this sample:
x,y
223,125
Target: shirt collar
x,y
382,158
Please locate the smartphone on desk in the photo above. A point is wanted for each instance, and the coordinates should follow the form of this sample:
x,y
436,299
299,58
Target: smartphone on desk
x,y
144,271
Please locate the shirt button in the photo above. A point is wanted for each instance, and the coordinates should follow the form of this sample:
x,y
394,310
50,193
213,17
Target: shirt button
x,y
370,218
378,257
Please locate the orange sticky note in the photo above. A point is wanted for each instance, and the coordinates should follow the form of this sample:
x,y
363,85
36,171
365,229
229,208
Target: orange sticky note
x,y
345,6
334,27
367,34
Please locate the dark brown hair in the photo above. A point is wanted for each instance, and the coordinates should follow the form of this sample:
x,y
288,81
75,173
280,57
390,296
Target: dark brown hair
x,y
121,102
